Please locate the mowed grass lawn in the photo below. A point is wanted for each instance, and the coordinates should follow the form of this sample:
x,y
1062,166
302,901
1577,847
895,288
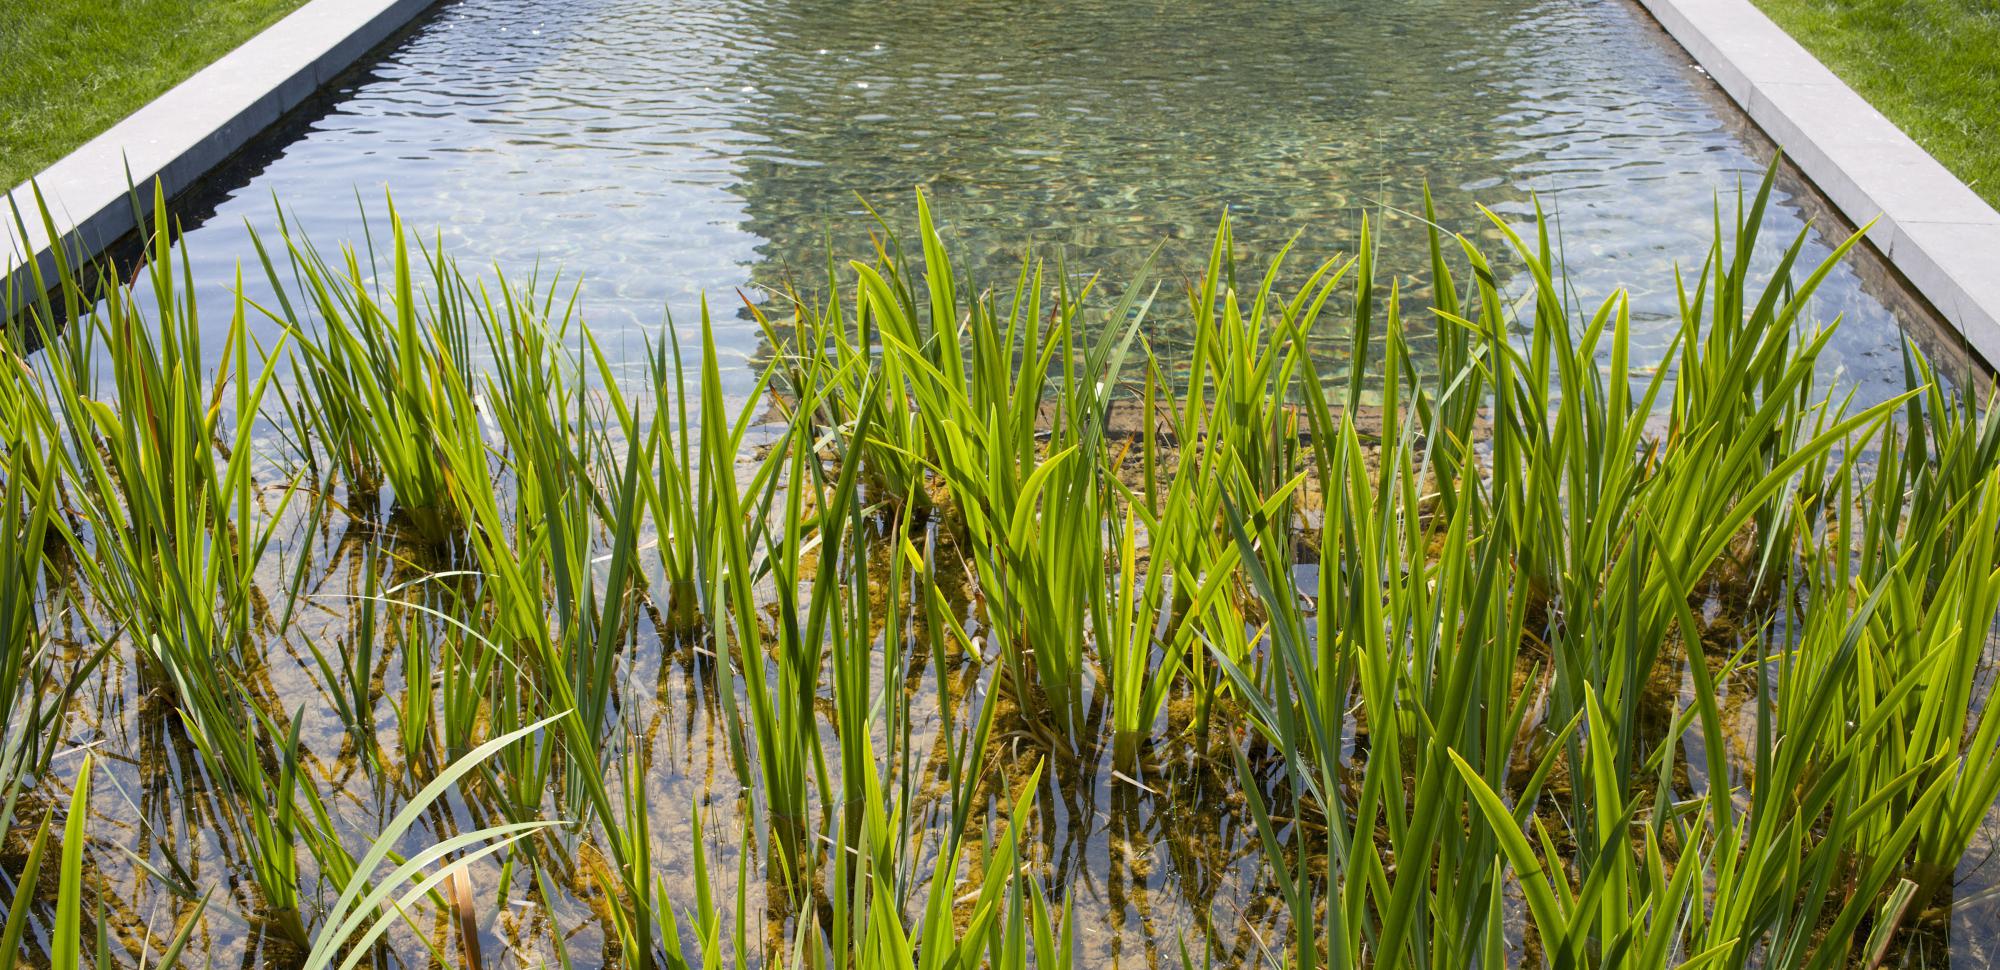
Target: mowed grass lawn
x,y
1932,66
71,68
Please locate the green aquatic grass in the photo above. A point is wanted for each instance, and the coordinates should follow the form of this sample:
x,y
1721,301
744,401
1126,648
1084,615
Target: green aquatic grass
x,y
70,70
1930,569
1932,66
171,539
1771,873
386,388
1448,630
34,688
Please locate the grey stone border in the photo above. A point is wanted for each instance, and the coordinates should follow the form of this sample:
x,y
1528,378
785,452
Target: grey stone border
x,y
1930,226
192,129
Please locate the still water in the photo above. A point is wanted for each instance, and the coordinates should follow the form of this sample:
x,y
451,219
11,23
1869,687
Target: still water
x,y
664,149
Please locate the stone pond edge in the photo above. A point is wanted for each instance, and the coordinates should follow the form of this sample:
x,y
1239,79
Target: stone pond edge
x,y
191,130
1930,226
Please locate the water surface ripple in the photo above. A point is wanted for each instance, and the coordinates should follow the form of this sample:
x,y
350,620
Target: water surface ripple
x,y
663,149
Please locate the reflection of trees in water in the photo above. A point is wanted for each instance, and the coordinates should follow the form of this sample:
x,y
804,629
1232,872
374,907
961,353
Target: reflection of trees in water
x,y
1102,129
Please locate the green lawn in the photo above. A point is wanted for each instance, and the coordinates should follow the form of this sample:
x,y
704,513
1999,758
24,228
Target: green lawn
x,y
71,68
1932,66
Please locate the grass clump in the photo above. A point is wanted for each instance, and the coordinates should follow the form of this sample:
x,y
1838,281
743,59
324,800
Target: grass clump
x,y
385,394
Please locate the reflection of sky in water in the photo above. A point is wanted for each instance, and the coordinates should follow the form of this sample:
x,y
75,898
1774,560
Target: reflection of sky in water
x,y
664,150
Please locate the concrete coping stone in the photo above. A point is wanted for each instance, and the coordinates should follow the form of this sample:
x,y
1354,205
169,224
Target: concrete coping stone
x,y
186,133
1937,232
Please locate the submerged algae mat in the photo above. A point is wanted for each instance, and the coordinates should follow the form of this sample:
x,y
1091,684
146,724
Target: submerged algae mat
x,y
975,636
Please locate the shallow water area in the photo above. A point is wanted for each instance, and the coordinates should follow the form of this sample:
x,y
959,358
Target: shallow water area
x,y
663,151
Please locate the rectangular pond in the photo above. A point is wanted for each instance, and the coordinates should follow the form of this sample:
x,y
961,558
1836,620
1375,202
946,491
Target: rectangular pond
x,y
660,152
